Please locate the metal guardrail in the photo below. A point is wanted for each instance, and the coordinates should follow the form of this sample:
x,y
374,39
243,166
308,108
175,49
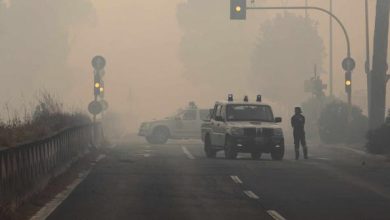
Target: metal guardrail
x,y
26,169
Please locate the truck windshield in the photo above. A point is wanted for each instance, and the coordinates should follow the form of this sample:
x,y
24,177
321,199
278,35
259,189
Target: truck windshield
x,y
247,112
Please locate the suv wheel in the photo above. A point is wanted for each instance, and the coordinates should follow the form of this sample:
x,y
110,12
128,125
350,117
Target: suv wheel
x,y
230,152
278,152
160,136
210,152
256,155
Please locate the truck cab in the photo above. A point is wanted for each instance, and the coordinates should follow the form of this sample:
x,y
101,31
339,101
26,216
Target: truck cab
x,y
185,124
243,127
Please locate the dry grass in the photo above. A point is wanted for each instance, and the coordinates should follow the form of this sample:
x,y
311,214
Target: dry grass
x,y
47,118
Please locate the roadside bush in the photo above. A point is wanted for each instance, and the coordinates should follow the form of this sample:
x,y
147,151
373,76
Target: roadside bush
x,y
334,126
312,109
47,118
379,139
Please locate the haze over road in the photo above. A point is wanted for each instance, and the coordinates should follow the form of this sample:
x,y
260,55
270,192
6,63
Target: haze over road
x,y
176,181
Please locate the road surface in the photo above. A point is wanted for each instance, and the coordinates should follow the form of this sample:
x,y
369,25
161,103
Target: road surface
x,y
175,181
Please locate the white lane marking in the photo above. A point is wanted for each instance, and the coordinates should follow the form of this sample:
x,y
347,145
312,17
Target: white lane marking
x,y
147,146
189,155
275,215
100,157
323,158
236,179
356,151
45,211
146,155
251,194
148,150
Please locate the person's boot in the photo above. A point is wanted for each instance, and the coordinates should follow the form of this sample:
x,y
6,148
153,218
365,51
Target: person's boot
x,y
296,154
305,153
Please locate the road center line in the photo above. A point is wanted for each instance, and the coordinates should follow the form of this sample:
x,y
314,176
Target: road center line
x,y
323,158
275,215
236,179
189,155
251,194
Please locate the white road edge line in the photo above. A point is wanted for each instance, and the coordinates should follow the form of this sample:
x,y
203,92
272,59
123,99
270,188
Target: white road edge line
x,y
251,194
275,215
189,155
236,179
45,211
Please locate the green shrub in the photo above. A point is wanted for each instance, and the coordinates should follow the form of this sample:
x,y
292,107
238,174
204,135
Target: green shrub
x,y
336,127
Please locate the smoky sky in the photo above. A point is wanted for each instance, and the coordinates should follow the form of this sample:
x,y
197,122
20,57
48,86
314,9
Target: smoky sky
x,y
49,44
35,44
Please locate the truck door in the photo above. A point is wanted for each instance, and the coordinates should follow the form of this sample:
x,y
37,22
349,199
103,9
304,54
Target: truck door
x,y
190,125
217,127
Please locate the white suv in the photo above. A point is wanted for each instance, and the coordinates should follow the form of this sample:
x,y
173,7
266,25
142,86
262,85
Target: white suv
x,y
184,125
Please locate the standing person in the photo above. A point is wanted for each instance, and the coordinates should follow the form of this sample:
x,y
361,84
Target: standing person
x,y
298,124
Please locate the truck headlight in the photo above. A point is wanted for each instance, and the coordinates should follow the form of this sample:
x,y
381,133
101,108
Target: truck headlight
x,y
278,132
237,131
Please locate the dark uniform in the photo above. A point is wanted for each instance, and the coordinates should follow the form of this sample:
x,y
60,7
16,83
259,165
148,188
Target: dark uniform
x,y
298,124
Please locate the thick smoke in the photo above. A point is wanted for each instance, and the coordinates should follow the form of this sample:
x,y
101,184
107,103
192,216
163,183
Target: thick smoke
x,y
35,42
287,51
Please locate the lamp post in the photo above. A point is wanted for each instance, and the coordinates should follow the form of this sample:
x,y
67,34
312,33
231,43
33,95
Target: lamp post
x,y
367,64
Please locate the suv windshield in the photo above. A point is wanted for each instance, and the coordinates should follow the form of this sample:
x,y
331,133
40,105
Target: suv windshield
x,y
247,112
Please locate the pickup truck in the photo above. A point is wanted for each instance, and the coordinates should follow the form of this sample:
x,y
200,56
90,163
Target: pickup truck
x,y
248,127
184,125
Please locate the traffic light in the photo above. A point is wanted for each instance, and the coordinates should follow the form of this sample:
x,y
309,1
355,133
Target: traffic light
x,y
97,84
238,9
348,82
102,89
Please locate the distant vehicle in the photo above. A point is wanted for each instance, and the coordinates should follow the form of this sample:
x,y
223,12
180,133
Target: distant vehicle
x,y
184,125
248,127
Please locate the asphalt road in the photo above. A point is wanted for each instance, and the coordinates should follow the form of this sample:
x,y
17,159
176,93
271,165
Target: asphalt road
x,y
175,181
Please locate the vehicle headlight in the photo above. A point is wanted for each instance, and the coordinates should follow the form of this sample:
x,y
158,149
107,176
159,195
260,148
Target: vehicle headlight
x,y
278,132
237,131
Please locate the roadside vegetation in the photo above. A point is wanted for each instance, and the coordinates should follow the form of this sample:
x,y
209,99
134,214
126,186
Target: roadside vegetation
x,y
327,119
379,139
46,117
335,127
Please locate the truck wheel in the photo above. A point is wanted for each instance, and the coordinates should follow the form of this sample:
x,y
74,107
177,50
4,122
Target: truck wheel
x,y
210,153
149,139
160,135
277,153
256,155
230,152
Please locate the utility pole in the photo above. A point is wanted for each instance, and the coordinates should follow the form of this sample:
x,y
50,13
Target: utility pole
x,y
331,49
368,63
306,4
379,64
